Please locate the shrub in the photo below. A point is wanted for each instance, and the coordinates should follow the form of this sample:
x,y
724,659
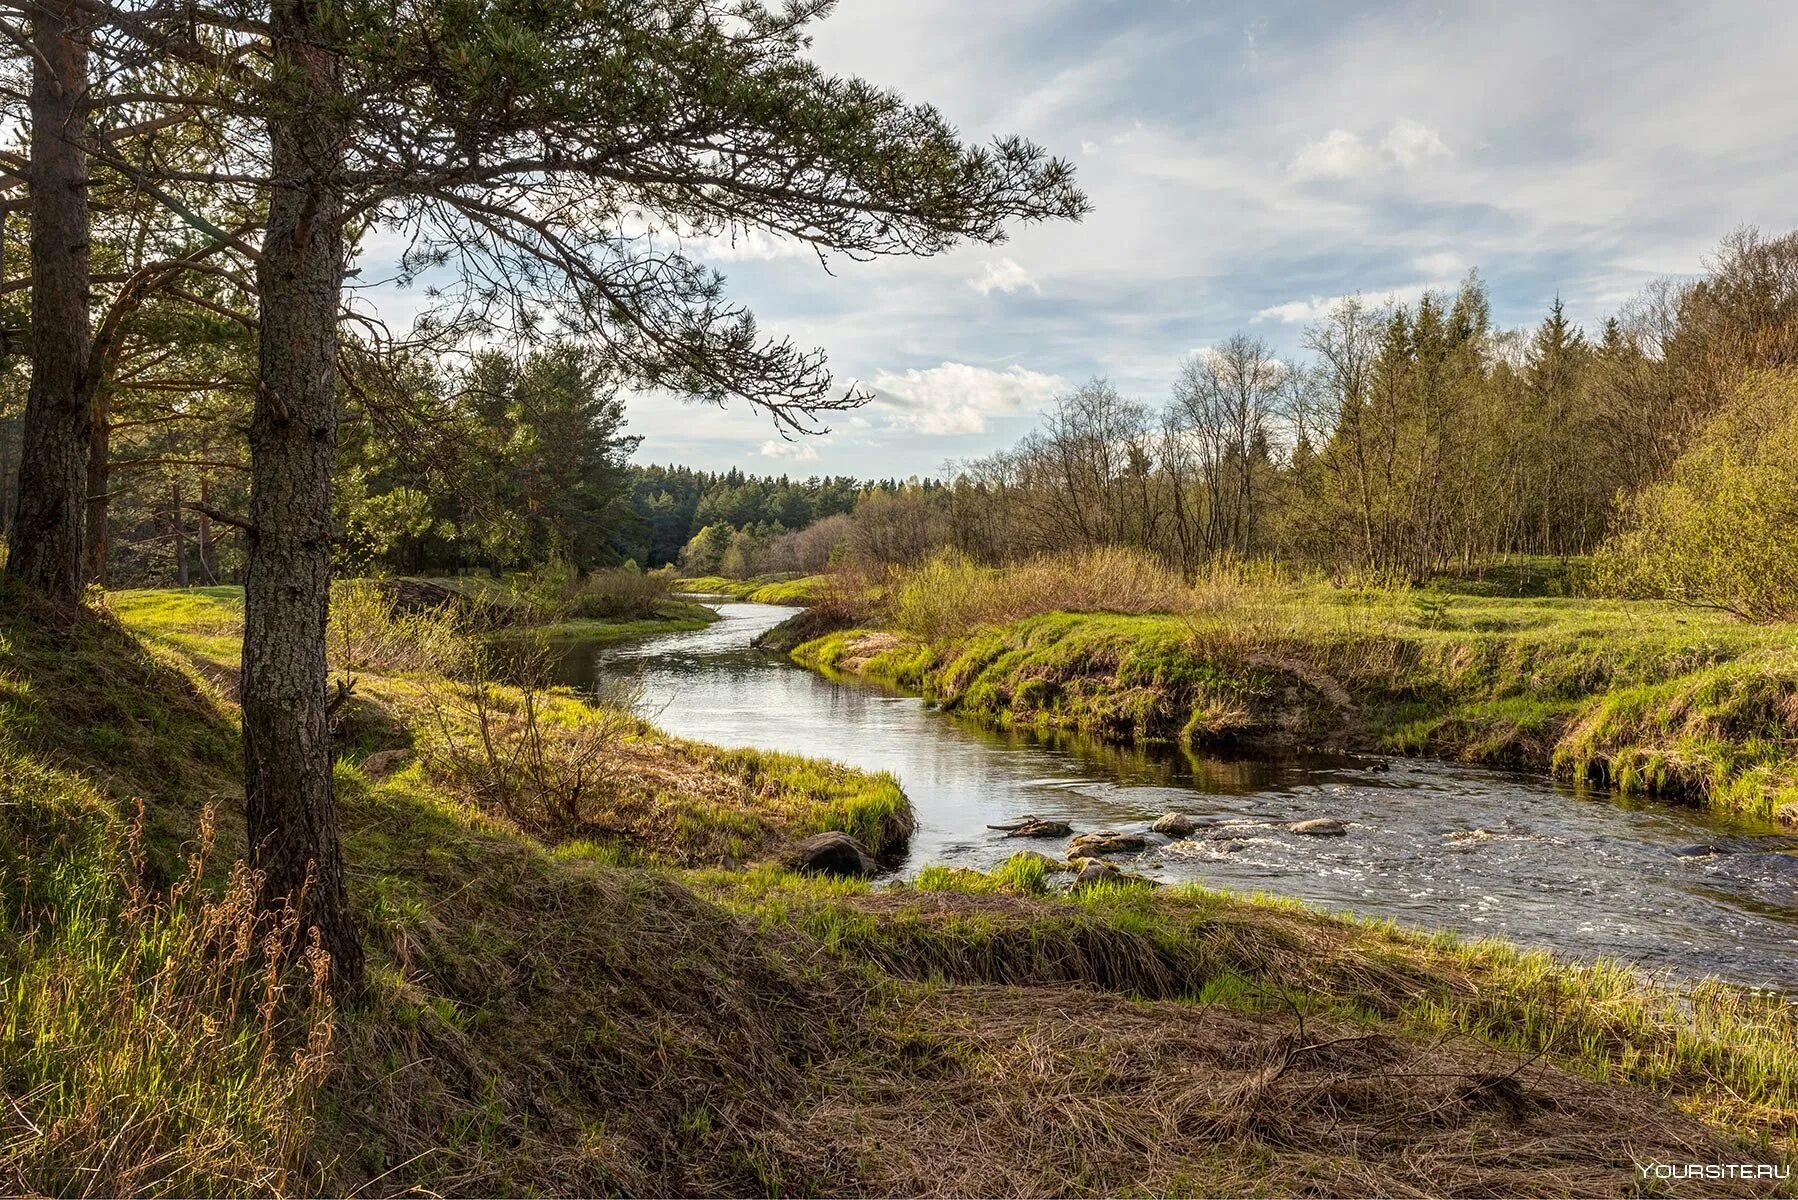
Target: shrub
x,y
520,751
622,593
1722,530
367,631
557,592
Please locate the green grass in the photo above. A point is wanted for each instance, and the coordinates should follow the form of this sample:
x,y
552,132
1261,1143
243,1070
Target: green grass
x,y
206,624
1646,697
763,589
678,803
675,616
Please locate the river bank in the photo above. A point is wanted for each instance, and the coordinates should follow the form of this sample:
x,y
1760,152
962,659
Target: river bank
x,y
763,589
548,1012
1489,852
1642,698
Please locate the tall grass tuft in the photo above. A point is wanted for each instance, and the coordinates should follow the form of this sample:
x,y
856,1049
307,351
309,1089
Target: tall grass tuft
x,y
155,1042
949,594
369,630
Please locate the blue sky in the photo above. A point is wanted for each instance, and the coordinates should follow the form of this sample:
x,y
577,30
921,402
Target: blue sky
x,y
1248,163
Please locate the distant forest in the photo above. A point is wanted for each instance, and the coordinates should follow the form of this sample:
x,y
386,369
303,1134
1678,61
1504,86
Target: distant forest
x,y
1410,438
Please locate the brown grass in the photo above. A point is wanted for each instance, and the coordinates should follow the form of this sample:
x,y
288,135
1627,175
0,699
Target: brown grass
x,y
1060,1091
950,595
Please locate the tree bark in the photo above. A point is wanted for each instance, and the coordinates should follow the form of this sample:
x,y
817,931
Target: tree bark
x,y
288,797
99,489
45,538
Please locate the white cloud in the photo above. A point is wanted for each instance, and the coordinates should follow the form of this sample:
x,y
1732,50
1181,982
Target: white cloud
x,y
1089,147
1440,263
1297,312
1003,276
796,451
1303,312
1344,154
958,398
746,245
1409,142
1339,154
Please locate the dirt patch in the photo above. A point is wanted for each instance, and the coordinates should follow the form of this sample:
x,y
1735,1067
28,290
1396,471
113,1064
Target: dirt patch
x,y
856,654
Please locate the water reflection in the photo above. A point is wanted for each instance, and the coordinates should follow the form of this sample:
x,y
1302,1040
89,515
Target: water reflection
x,y
1429,844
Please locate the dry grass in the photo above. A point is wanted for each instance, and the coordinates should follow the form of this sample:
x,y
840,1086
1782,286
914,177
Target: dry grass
x,y
1061,1091
950,595
1721,1053
155,1043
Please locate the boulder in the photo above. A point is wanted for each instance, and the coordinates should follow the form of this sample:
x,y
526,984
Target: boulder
x,y
1701,850
1319,827
829,854
1107,841
1041,829
1174,824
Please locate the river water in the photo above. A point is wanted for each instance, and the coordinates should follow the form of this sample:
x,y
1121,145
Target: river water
x,y
1430,845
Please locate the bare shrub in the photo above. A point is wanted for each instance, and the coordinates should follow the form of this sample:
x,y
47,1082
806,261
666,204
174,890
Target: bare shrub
x,y
518,749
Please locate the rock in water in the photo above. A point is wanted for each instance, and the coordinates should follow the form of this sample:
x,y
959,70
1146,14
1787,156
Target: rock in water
x,y
1319,827
1089,845
1702,850
1035,827
829,854
1174,824
1094,870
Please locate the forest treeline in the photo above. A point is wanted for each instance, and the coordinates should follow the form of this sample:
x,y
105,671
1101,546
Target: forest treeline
x,y
517,461
1408,439
1414,438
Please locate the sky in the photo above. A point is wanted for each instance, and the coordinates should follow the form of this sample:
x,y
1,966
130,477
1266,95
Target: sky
x,y
1248,164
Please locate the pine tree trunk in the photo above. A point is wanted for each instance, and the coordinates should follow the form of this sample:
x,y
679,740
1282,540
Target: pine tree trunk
x,y
288,798
99,490
45,539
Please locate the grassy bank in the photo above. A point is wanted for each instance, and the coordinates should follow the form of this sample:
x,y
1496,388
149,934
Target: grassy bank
x,y
560,1009
1645,697
605,606
764,589
661,799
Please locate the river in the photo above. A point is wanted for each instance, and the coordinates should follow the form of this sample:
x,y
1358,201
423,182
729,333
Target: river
x,y
1430,845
